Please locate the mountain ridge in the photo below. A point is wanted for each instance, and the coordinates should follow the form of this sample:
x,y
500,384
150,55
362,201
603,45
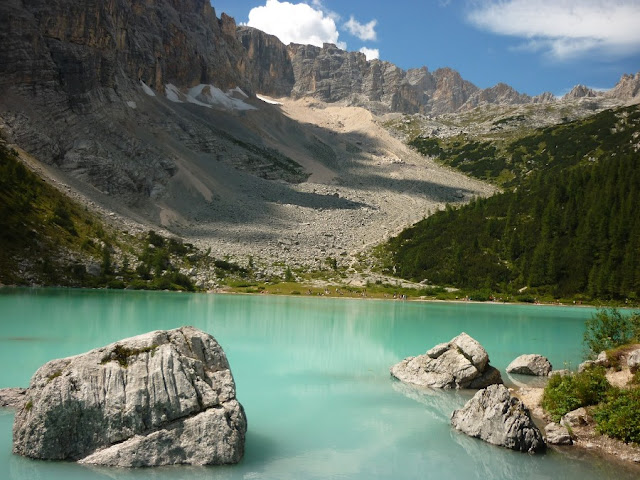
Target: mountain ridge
x,y
148,108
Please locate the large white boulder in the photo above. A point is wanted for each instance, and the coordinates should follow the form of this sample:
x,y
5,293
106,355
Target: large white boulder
x,y
162,398
530,364
460,363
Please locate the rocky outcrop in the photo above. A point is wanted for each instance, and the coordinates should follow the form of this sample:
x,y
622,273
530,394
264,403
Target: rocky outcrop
x,y
557,434
266,63
530,364
494,416
580,91
500,94
94,48
162,398
460,363
12,397
627,88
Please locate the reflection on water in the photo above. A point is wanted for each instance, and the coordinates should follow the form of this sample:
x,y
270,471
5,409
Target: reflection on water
x,y
313,376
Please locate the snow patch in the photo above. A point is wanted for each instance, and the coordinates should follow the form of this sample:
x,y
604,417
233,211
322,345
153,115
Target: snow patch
x,y
268,100
172,93
147,89
132,104
209,96
237,90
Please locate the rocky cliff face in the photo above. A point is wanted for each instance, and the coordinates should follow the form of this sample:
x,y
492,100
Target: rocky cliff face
x,y
266,62
163,398
94,48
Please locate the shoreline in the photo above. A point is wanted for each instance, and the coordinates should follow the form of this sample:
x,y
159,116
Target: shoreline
x,y
326,296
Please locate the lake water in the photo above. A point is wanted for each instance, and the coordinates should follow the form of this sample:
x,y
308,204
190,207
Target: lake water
x,y
313,376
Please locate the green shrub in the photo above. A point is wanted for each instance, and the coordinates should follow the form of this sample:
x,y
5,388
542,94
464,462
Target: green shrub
x,y
566,393
116,284
619,415
608,329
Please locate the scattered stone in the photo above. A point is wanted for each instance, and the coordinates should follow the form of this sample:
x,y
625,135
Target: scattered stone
x,y
633,360
494,416
584,365
460,363
530,364
563,372
12,397
602,360
557,434
162,398
575,418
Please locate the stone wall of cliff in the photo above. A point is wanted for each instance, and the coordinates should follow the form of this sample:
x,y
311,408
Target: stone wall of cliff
x,y
90,49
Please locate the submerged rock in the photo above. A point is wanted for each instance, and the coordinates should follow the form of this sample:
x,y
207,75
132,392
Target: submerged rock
x,y
162,398
494,416
460,363
530,364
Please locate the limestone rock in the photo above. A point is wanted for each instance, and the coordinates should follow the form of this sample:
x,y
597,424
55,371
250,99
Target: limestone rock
x,y
575,418
460,363
633,360
530,364
602,360
557,434
494,416
584,365
162,398
12,397
627,88
580,91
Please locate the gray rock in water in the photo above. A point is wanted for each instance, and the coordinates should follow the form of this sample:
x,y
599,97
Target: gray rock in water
x,y
12,397
494,416
633,360
460,363
530,364
162,398
557,434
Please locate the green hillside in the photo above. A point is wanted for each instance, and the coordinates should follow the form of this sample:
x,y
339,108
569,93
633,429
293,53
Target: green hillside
x,y
509,161
569,227
46,238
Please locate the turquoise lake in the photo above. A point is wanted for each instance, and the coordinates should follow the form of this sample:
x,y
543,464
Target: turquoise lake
x,y
313,376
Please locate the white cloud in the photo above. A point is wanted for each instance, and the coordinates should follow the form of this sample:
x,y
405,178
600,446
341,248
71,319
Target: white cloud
x,y
297,23
370,53
364,31
564,29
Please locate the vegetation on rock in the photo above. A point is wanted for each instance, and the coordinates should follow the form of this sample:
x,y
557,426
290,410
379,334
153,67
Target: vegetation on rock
x,y
565,393
616,410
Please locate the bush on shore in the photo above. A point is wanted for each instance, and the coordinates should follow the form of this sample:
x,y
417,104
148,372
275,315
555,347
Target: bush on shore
x,y
566,393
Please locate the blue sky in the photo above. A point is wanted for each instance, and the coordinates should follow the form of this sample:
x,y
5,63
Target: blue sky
x,y
532,45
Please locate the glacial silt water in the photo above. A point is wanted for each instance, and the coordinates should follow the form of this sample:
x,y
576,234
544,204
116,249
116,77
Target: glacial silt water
x,y
313,376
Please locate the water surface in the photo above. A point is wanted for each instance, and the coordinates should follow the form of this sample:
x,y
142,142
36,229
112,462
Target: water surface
x,y
313,376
